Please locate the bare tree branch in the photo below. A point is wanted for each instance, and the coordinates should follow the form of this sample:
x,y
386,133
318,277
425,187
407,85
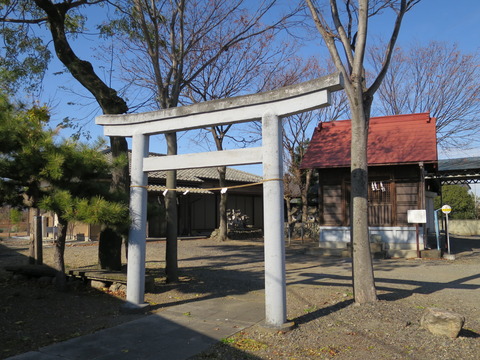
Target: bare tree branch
x,y
439,79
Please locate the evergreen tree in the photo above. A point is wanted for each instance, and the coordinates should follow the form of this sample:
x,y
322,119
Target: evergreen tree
x,y
460,199
63,176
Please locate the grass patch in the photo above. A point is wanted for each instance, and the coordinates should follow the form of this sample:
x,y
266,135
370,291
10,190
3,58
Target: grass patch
x,y
244,343
309,309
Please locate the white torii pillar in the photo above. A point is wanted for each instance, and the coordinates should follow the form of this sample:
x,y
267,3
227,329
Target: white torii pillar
x,y
274,242
138,227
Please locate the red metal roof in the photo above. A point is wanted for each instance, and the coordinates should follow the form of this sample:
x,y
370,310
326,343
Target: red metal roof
x,y
398,139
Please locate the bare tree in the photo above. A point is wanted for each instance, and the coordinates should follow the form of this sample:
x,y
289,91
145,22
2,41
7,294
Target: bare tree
x,y
345,36
297,130
436,78
169,44
245,68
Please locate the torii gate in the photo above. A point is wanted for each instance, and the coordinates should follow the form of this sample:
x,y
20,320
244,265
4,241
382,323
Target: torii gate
x,y
269,106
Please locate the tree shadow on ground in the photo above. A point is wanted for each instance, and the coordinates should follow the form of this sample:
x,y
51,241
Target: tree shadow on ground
x,y
35,315
415,286
469,334
386,289
231,269
324,311
238,269
206,283
228,254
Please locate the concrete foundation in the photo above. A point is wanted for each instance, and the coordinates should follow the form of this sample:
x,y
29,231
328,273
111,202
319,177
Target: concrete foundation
x,y
385,241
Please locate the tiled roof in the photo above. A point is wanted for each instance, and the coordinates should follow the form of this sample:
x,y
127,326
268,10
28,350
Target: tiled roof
x,y
199,175
398,139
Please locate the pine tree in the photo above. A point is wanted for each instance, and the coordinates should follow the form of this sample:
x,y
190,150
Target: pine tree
x,y
63,176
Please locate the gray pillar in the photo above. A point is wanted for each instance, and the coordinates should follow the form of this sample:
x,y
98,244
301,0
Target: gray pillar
x,y
275,283
138,217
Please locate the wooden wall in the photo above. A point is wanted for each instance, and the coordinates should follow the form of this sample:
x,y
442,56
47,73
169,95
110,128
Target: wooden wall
x,y
392,191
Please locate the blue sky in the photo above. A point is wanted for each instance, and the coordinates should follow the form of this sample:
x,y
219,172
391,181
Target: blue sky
x,y
453,21
443,20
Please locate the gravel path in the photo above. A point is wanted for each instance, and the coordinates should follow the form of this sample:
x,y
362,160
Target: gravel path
x,y
319,300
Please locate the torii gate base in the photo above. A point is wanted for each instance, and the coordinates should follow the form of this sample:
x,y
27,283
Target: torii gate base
x,y
270,107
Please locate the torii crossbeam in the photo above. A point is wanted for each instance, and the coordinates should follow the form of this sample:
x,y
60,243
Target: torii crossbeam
x,y
270,107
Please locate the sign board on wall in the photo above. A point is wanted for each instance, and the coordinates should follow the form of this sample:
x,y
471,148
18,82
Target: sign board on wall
x,y
417,216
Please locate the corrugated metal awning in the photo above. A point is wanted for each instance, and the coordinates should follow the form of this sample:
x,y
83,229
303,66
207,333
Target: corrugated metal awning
x,y
457,171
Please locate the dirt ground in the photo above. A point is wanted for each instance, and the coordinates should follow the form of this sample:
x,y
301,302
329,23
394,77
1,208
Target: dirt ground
x,y
319,301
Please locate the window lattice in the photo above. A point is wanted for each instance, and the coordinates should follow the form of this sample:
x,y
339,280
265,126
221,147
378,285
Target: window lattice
x,y
379,192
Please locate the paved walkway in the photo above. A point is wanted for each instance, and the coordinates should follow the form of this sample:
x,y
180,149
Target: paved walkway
x,y
176,333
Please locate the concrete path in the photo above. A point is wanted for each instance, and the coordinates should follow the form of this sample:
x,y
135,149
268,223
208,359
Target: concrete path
x,y
176,333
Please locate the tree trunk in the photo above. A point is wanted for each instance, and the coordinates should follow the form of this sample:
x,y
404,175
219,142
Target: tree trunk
x,y
120,176
109,244
171,217
110,252
31,246
290,222
308,180
362,270
222,228
360,98
58,255
111,258
84,73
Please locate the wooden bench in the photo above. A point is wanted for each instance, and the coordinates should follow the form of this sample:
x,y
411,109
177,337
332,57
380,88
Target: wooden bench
x,y
108,276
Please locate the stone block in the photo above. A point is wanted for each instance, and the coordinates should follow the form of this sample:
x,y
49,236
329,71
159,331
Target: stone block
x,y
376,247
442,322
376,238
98,284
431,254
116,287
